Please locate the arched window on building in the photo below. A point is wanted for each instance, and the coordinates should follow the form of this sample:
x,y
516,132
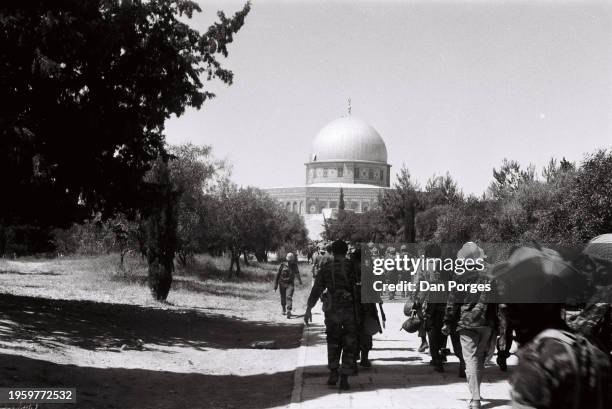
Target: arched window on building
x,y
300,207
294,208
364,206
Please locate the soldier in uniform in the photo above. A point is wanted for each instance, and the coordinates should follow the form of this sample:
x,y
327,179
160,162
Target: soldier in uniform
x,y
337,276
392,275
557,367
405,275
285,280
474,319
433,311
595,320
369,323
317,259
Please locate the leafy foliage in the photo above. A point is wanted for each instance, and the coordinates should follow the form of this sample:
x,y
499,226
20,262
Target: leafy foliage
x,y
87,86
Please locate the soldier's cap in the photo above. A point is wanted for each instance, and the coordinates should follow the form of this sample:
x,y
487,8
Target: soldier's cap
x,y
390,249
290,257
339,247
403,247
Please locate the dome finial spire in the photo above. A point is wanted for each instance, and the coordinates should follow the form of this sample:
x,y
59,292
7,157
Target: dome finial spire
x,y
349,106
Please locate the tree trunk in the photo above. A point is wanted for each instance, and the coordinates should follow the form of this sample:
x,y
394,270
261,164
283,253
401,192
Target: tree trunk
x,y
246,258
160,279
160,232
234,259
237,256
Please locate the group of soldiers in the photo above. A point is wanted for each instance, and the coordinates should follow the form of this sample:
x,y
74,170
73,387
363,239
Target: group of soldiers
x,y
563,363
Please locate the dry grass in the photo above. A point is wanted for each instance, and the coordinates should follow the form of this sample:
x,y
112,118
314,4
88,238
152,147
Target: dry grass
x,y
203,285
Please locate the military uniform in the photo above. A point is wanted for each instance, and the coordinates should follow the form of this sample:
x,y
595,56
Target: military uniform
x,y
285,282
337,277
595,323
561,370
475,321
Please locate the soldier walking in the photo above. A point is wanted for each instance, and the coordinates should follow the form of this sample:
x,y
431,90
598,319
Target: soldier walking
x,y
557,367
474,319
369,322
337,278
285,281
392,275
317,260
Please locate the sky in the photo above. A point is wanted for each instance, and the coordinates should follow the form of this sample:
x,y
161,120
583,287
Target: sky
x,y
453,86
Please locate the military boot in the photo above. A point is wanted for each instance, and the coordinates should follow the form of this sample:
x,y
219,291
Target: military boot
x,y
333,378
288,314
284,310
344,384
365,362
438,364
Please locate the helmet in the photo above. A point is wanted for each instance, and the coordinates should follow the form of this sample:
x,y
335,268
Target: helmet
x,y
412,324
290,257
470,250
600,247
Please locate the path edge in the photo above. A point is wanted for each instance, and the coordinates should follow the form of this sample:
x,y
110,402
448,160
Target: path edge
x,y
298,375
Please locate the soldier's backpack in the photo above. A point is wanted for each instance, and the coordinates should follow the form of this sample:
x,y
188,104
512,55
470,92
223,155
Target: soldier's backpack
x,y
284,278
594,323
579,350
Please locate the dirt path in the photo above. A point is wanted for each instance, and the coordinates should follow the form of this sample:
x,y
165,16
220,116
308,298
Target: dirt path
x,y
120,356
400,377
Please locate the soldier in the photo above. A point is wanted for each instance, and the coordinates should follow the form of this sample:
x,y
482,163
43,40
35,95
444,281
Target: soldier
x,y
285,280
504,339
369,323
595,320
557,368
433,312
392,275
405,275
317,259
418,304
337,276
474,319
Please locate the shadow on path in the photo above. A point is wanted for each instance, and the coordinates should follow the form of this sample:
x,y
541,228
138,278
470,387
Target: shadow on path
x,y
137,388
94,325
